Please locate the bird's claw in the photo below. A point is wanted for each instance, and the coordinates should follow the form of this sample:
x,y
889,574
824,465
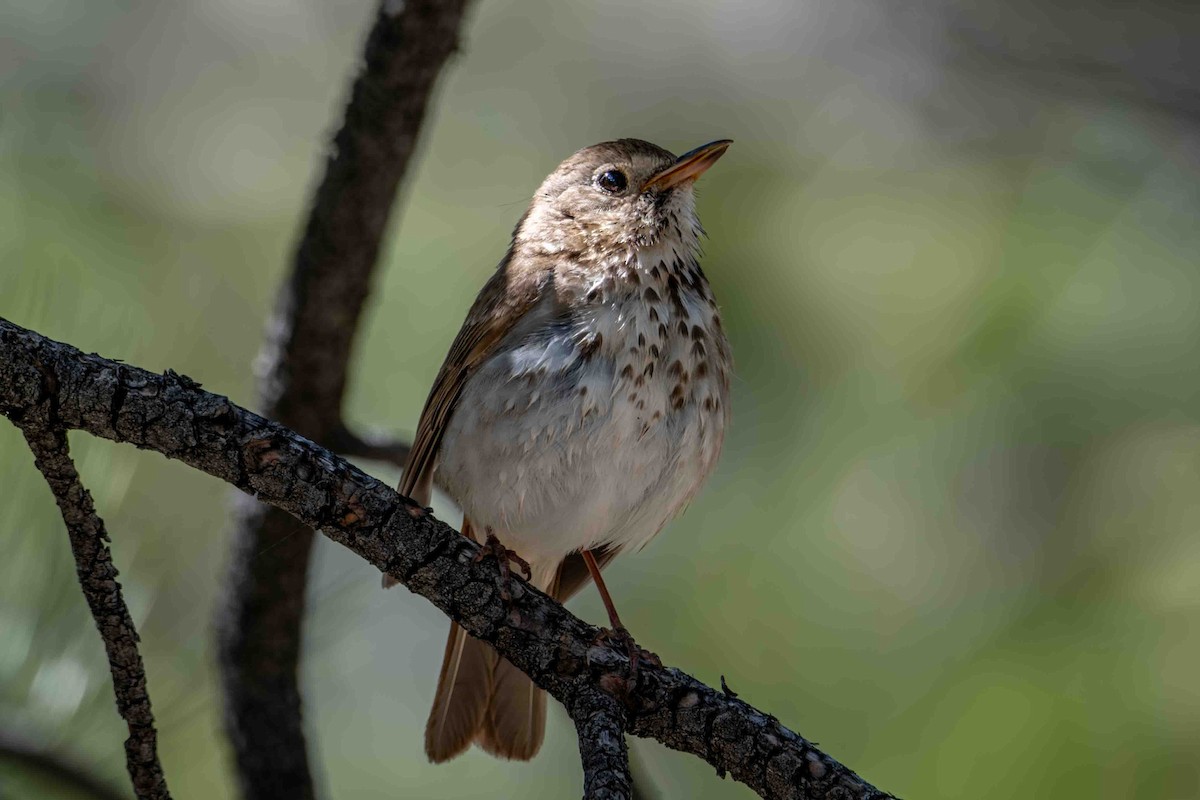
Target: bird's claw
x,y
495,548
621,637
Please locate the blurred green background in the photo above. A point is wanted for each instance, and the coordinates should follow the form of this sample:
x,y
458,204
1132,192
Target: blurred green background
x,y
953,536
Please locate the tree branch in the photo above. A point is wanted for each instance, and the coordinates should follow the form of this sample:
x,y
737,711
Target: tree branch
x,y
600,724
345,442
98,577
171,415
68,772
308,348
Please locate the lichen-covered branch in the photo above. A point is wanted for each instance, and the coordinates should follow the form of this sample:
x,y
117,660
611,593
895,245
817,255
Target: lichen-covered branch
x,y
98,577
170,414
304,373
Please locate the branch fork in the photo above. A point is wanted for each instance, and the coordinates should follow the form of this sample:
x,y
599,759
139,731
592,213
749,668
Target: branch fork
x,y
325,492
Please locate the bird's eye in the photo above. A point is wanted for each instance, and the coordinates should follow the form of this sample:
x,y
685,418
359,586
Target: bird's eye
x,y
612,181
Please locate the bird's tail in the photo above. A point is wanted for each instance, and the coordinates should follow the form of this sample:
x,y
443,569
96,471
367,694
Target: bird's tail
x,y
483,698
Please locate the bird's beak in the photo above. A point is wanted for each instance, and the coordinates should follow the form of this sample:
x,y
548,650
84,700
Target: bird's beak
x,y
688,167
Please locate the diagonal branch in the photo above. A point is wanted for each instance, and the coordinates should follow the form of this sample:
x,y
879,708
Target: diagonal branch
x,y
171,415
98,577
305,358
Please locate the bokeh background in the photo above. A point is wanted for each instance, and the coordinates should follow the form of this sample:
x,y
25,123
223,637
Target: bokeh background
x,y
953,536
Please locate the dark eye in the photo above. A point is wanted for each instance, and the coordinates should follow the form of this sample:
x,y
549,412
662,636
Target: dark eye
x,y
612,181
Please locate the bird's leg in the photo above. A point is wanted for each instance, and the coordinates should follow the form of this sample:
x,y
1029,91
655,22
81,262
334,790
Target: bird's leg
x,y
619,633
495,548
594,569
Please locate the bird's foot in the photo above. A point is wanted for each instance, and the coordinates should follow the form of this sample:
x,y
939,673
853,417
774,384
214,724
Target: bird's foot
x,y
495,548
621,637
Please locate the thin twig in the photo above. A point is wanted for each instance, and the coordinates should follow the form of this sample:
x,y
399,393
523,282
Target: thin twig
x,y
373,448
600,723
171,415
304,373
98,577
63,769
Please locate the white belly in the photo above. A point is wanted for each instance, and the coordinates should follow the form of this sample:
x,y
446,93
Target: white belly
x,y
559,445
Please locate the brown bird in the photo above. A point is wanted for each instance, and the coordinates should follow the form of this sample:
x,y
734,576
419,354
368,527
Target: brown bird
x,y
579,409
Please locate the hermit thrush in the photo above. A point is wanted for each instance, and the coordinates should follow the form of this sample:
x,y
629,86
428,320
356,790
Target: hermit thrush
x,y
580,408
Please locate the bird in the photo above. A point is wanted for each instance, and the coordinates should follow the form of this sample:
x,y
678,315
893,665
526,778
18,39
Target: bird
x,y
580,408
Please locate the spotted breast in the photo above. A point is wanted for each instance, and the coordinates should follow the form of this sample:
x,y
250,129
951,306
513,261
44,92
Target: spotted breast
x,y
598,424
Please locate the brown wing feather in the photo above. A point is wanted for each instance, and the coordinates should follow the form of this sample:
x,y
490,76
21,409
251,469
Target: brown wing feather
x,y
502,302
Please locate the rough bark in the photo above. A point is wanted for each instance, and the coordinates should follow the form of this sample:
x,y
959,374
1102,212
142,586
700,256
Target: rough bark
x,y
98,578
170,414
600,723
306,358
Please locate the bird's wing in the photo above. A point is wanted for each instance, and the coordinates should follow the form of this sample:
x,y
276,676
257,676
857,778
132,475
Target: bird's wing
x,y
503,301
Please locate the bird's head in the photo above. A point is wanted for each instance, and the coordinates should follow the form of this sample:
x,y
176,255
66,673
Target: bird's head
x,y
617,196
